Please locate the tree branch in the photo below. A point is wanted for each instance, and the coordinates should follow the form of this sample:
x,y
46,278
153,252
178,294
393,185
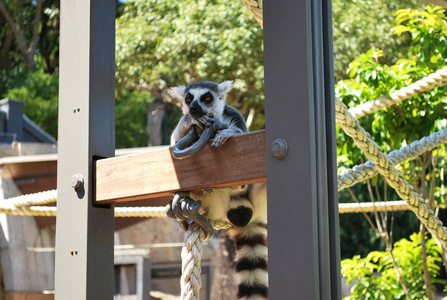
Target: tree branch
x,y
12,26
21,21
424,264
4,59
27,52
424,164
37,17
399,276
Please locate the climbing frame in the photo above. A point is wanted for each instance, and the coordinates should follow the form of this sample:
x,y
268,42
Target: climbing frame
x,y
301,186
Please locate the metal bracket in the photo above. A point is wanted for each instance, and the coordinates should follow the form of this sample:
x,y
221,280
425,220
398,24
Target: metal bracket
x,y
182,208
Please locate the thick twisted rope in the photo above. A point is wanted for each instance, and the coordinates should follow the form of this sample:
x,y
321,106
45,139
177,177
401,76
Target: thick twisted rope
x,y
367,170
51,211
255,7
26,205
427,83
347,208
192,250
159,212
42,211
385,167
141,212
41,198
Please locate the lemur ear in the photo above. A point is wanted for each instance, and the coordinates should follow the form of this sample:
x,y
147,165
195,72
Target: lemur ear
x,y
225,87
178,92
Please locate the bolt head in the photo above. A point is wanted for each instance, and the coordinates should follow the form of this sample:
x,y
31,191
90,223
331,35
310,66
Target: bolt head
x,y
279,148
77,182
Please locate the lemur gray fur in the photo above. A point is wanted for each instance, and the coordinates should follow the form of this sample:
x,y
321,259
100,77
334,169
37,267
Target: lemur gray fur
x,y
245,207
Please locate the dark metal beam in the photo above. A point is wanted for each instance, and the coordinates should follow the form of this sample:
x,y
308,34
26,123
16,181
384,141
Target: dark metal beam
x,y
84,234
302,200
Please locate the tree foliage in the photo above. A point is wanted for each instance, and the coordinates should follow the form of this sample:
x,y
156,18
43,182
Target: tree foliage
x,y
371,79
29,40
162,44
22,20
167,43
40,94
375,277
362,25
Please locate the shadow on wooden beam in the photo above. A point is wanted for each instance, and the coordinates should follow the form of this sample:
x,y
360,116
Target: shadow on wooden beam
x,y
155,174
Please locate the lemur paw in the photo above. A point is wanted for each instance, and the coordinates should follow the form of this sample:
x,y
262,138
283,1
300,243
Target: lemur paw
x,y
221,137
200,123
239,188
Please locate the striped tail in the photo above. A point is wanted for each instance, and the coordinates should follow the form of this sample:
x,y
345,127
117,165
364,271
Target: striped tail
x,y
251,261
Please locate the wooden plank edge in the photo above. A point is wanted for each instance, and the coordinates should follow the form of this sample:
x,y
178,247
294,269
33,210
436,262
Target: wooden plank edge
x,y
171,193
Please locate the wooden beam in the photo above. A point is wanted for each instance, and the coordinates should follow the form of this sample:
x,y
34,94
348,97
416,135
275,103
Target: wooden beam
x,y
154,174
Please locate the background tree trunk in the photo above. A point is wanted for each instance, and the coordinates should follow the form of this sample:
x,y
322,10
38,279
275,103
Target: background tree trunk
x,y
16,24
224,287
155,116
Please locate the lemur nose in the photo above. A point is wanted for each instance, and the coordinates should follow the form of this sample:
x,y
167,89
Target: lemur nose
x,y
195,109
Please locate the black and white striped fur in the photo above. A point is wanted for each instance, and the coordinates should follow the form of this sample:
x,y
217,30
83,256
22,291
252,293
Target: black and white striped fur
x,y
245,207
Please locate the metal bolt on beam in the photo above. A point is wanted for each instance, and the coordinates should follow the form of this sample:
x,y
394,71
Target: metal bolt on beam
x,y
279,148
77,182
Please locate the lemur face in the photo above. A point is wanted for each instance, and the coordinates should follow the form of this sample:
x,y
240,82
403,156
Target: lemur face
x,y
203,98
201,102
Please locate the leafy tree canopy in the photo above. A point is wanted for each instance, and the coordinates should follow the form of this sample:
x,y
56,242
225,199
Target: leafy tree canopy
x,y
40,94
161,44
167,43
362,25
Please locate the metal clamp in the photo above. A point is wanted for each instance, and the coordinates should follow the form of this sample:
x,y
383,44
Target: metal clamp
x,y
212,126
182,208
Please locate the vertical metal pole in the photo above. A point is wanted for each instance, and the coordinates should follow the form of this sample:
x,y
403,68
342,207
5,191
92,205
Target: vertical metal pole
x,y
327,57
302,198
84,233
143,278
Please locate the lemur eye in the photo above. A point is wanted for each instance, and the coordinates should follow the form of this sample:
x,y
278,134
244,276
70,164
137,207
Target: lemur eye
x,y
188,98
207,97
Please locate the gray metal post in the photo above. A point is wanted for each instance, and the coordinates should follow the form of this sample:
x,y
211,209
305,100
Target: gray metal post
x,y
84,235
302,197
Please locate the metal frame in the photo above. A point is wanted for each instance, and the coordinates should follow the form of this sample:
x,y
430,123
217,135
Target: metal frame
x,y
302,206
84,233
143,276
301,192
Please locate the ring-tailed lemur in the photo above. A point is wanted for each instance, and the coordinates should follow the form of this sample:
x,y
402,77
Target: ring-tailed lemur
x,y
245,207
